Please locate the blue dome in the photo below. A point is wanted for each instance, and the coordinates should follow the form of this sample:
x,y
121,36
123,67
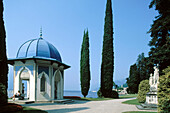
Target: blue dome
x,y
38,48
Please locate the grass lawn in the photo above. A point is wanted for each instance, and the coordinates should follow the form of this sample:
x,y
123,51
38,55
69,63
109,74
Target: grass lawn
x,y
31,110
102,99
96,99
128,96
133,102
90,99
139,112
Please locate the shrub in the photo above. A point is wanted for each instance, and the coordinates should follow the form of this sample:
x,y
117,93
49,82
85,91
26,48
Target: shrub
x,y
143,89
99,94
113,94
2,93
11,108
164,92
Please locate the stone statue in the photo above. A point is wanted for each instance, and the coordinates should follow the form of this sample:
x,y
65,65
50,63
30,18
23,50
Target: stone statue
x,y
154,79
151,79
151,96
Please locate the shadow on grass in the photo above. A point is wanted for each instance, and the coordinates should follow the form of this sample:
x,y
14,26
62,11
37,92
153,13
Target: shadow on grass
x,y
67,110
44,104
32,110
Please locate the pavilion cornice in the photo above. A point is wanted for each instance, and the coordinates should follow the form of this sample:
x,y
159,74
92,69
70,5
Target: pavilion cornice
x,y
52,61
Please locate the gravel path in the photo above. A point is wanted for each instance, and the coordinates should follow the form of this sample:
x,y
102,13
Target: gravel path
x,y
108,106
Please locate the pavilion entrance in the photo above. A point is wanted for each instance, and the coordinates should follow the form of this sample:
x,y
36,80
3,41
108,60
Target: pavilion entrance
x,y
24,83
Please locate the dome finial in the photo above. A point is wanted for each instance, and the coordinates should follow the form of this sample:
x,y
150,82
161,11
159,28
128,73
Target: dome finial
x,y
41,32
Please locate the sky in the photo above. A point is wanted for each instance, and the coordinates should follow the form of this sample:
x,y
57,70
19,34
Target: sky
x,y
63,23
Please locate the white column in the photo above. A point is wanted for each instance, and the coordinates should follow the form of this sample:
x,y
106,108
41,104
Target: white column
x,y
16,83
14,80
50,80
28,88
63,84
33,84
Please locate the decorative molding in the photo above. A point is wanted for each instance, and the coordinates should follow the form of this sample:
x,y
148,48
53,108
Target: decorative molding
x,y
17,68
31,68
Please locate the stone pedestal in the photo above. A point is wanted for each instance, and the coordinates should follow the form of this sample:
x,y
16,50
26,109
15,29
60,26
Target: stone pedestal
x,y
151,96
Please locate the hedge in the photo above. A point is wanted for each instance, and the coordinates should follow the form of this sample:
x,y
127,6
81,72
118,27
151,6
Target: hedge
x,y
164,92
143,89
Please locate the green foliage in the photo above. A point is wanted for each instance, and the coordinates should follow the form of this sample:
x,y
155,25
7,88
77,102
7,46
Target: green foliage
x,y
143,89
99,94
144,67
3,93
113,94
107,65
95,99
85,65
3,60
160,33
128,96
139,112
139,71
133,80
164,91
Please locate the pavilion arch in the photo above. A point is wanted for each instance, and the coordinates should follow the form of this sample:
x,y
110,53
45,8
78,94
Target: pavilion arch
x,y
40,84
23,74
58,85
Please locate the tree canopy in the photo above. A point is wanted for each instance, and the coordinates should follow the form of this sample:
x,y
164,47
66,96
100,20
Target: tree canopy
x,y
160,33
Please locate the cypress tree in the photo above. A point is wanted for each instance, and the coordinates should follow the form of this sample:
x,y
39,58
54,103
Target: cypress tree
x,y
85,65
107,65
3,59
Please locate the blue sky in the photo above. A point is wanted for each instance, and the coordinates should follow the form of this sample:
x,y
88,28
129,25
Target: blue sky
x,y
63,23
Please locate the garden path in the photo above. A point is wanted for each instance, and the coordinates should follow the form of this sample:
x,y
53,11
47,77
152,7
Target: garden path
x,y
107,106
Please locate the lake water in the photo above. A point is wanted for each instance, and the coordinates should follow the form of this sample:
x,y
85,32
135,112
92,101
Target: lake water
x,y
66,93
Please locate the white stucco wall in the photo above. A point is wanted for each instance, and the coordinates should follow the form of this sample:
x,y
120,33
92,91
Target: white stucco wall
x,y
43,96
34,79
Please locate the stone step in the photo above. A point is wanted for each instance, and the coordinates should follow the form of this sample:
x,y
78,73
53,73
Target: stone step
x,y
145,107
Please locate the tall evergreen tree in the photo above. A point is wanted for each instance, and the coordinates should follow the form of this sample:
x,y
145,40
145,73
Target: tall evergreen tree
x,y
138,72
143,67
85,65
107,65
3,59
160,33
133,80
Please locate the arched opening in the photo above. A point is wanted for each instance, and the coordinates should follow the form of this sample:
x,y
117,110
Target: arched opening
x,y
43,84
24,83
58,86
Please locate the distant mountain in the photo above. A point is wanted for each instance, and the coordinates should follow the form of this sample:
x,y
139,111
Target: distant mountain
x,y
120,82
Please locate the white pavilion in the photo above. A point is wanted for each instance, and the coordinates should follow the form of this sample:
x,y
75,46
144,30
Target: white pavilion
x,y
39,64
